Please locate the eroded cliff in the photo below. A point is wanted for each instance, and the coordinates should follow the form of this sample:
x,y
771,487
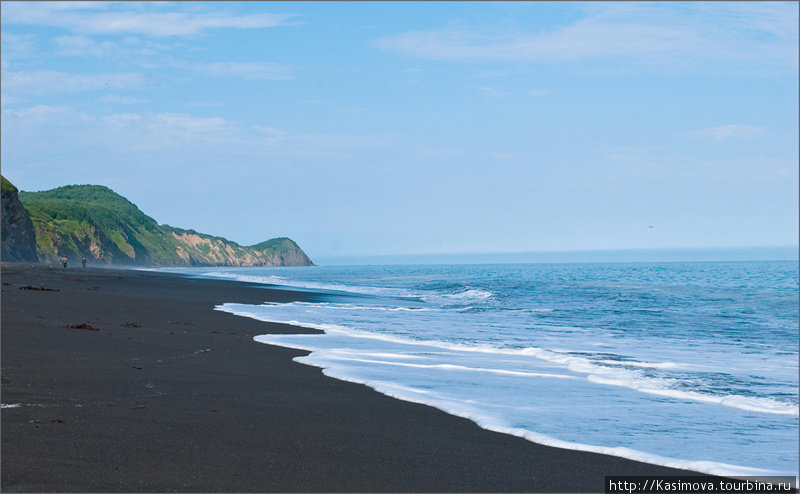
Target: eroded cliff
x,y
16,228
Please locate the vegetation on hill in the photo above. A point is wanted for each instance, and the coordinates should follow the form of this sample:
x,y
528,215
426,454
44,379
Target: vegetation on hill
x,y
95,222
8,186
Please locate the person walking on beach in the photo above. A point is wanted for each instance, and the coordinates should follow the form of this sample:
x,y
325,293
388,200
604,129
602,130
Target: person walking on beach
x,y
83,261
64,260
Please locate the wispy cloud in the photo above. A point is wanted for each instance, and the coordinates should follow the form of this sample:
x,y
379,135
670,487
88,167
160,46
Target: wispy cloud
x,y
183,132
51,81
38,112
203,104
253,70
9,100
656,33
150,53
583,40
123,18
16,46
491,92
83,46
124,100
731,132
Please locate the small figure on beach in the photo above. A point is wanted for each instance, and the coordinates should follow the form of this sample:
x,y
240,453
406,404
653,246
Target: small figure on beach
x,y
83,261
64,260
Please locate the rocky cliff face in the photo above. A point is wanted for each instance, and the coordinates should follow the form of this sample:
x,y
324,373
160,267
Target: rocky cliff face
x,y
202,250
293,257
16,229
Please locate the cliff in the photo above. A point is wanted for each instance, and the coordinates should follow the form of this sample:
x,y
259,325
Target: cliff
x,y
197,249
16,227
95,222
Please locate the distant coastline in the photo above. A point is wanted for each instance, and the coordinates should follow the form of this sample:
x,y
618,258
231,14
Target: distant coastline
x,y
80,224
622,255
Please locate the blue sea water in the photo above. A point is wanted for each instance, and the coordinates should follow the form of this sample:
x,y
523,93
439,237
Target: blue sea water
x,y
691,365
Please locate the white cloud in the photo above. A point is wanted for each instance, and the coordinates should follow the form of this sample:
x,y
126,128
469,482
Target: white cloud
x,y
184,133
203,104
269,135
161,132
51,81
36,110
41,114
121,119
8,100
83,46
731,131
94,19
154,131
124,100
255,70
653,32
16,46
582,40
190,125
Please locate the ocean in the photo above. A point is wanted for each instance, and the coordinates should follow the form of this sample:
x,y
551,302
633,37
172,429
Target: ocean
x,y
686,364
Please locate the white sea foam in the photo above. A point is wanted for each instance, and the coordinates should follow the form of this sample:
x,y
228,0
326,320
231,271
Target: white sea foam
x,y
313,285
332,367
761,405
459,297
644,365
632,379
435,297
341,356
667,370
614,372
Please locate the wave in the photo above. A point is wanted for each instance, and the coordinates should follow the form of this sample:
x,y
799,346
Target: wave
x,y
312,285
467,295
451,295
751,404
463,409
626,373
617,375
359,357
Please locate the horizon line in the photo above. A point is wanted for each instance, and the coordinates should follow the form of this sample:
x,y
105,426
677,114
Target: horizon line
x,y
678,254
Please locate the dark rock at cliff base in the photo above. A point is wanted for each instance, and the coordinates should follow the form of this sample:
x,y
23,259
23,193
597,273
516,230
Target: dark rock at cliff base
x,y
16,231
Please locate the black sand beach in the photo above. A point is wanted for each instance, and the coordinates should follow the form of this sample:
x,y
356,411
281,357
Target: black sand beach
x,y
167,394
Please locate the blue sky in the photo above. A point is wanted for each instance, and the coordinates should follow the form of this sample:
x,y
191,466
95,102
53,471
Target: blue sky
x,y
389,128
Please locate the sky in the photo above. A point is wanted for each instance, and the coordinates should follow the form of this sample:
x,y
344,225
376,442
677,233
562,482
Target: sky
x,y
406,128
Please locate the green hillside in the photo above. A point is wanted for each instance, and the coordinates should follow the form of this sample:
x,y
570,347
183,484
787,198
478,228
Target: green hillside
x,y
7,186
95,222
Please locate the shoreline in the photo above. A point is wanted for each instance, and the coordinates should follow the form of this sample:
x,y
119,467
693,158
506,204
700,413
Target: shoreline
x,y
154,390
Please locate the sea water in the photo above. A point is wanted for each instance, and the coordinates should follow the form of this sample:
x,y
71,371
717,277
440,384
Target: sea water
x,y
690,365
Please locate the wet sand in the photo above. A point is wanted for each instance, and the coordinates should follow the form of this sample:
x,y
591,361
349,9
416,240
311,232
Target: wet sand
x,y
130,381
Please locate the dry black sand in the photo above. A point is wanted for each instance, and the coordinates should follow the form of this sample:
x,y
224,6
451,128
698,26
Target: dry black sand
x,y
167,394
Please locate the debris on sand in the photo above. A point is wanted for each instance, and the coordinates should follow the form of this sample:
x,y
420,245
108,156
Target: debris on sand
x,y
84,325
38,288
